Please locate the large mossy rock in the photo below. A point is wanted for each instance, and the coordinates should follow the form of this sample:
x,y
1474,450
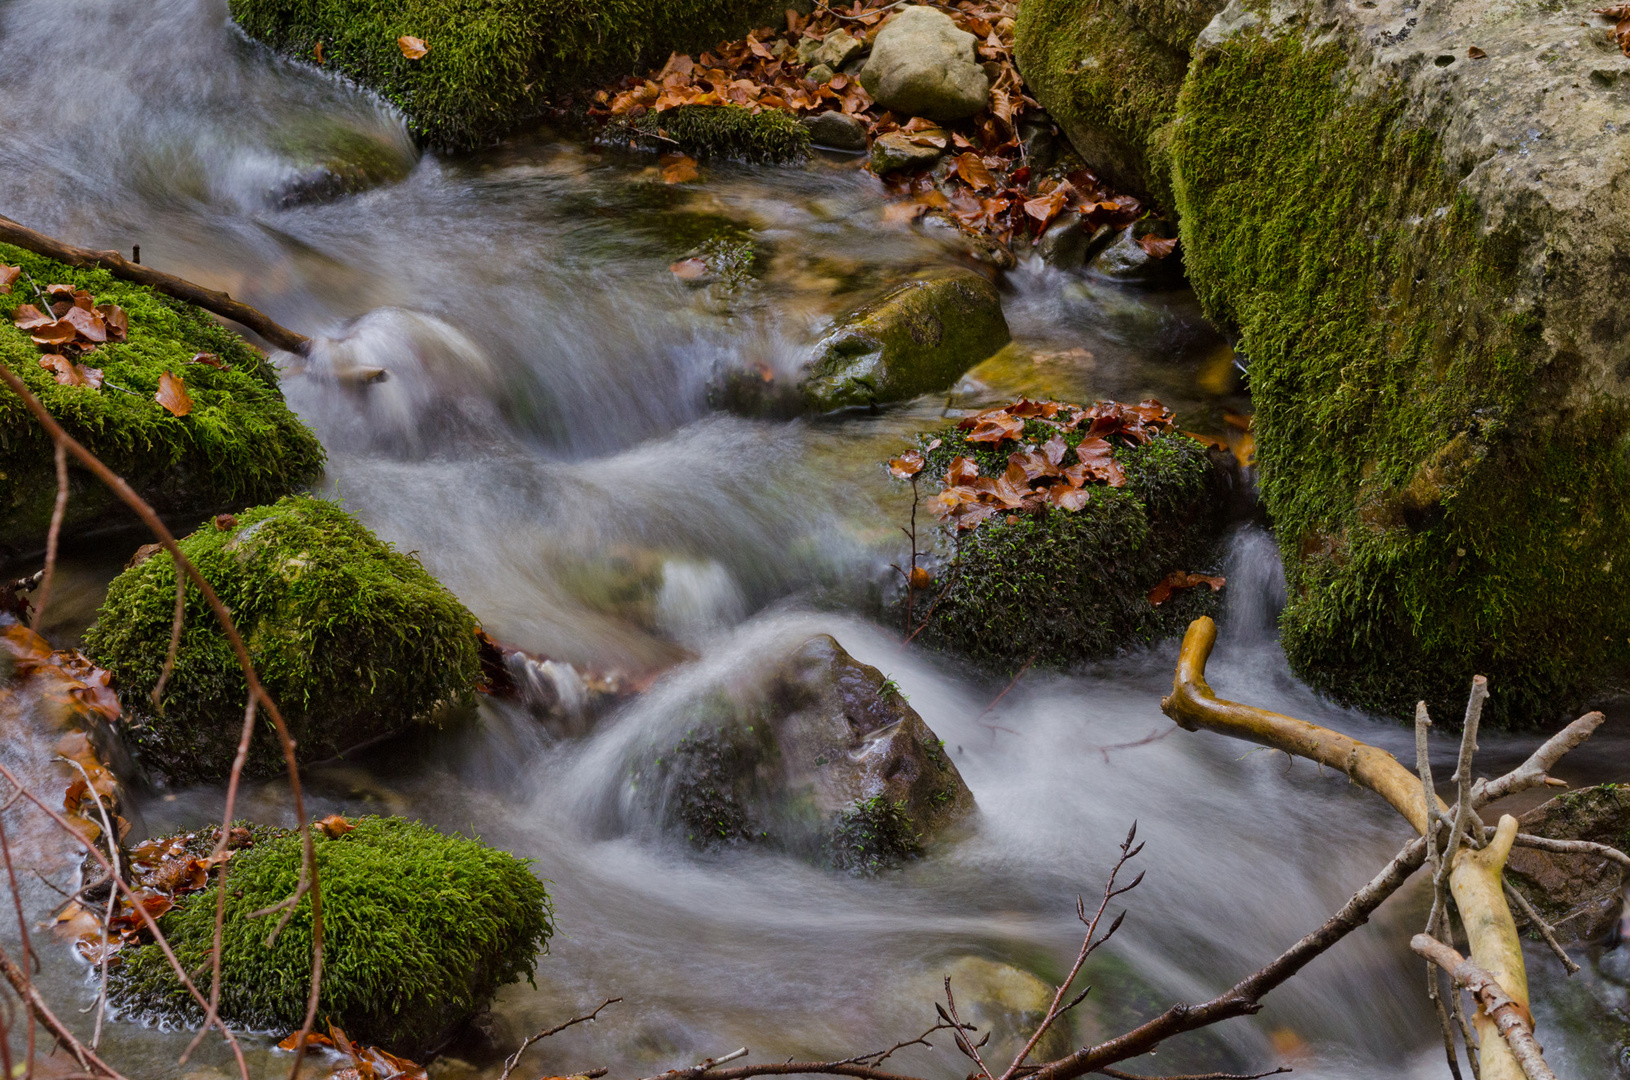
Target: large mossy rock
x,y
1109,71
1059,587
917,338
1581,895
240,443
922,64
354,640
811,752
492,63
420,930
1423,256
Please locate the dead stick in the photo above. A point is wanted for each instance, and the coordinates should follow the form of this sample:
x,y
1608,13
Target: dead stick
x,y
1510,1017
209,299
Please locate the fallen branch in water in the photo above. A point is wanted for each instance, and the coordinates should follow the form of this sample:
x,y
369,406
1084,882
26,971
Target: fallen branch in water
x,y
220,303
1515,1023
515,1058
1119,1075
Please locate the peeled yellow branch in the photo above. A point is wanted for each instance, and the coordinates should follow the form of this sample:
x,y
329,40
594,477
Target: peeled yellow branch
x,y
1474,877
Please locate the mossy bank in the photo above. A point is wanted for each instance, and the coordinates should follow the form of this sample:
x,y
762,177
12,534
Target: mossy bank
x,y
239,444
1058,587
420,930
354,640
1421,263
491,63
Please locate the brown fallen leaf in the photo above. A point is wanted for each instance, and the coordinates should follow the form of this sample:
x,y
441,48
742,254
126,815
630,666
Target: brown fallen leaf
x,y
961,471
680,170
69,373
29,317
116,321
317,52
1157,247
8,274
1474,53
1097,458
1182,579
208,359
992,426
920,577
60,332
334,826
689,269
974,173
172,394
225,522
87,323
907,465
413,48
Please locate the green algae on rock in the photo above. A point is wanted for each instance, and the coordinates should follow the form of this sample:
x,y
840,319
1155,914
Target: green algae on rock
x,y
768,137
1435,344
918,337
354,640
420,930
491,64
1058,587
239,444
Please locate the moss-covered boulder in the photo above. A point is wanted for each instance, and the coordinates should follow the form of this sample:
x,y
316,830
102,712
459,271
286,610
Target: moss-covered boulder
x,y
491,63
811,752
769,136
420,930
1423,256
916,338
1053,586
1581,895
353,639
1108,72
240,443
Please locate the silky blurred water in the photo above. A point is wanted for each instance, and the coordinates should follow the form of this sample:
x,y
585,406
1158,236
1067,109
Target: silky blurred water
x,y
543,441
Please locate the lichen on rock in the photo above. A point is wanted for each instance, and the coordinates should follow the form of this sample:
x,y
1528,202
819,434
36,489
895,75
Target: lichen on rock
x,y
420,930
239,444
354,641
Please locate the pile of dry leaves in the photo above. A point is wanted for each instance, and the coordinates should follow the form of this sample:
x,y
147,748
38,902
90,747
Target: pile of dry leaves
x,y
1036,476
73,325
362,1062
989,186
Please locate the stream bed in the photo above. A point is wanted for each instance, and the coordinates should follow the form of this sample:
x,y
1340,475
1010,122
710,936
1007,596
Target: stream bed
x,y
544,443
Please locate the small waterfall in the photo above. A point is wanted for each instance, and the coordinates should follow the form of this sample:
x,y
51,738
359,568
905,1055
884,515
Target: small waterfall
x,y
1256,588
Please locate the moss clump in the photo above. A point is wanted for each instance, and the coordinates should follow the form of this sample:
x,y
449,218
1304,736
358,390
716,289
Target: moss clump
x,y
492,63
1111,86
712,779
1443,507
239,444
769,137
354,641
872,836
419,932
1059,587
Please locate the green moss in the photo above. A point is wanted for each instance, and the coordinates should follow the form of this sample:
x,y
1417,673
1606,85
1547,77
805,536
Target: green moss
x,y
1441,511
419,931
492,63
1111,86
1061,587
871,836
711,777
770,137
354,641
239,444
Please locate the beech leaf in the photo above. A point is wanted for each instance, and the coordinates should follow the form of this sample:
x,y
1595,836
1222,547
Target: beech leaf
x,y
1178,580
907,465
8,274
172,394
413,48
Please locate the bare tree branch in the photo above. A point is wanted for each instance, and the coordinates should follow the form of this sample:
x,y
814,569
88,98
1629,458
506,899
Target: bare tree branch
x,y
1546,930
515,1058
1568,847
1119,1075
1535,772
53,535
1512,1018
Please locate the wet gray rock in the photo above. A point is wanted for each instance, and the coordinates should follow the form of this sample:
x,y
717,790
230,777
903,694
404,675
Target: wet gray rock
x,y
811,752
918,337
923,65
1124,261
897,151
1071,240
836,131
837,48
1581,895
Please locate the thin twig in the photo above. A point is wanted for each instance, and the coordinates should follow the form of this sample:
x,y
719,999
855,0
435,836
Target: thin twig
x,y
53,535
963,1043
1119,1075
107,914
175,640
515,1058
1535,772
1423,766
1568,847
37,1007
1546,930
31,962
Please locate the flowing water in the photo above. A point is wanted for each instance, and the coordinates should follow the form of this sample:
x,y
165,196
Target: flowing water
x,y
543,442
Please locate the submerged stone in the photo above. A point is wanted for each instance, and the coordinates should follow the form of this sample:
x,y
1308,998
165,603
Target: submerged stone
x,y
240,443
917,338
833,130
354,641
922,64
898,151
1124,260
422,929
810,752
